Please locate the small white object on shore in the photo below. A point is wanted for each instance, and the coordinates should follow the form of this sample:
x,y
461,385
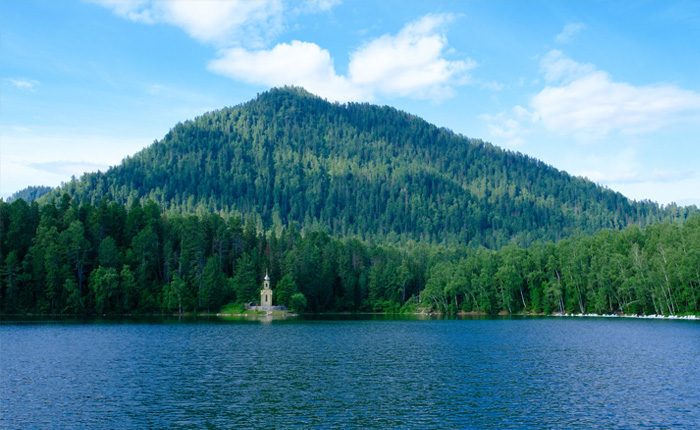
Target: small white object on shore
x,y
653,316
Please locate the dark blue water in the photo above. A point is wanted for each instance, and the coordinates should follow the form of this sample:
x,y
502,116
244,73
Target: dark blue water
x,y
489,373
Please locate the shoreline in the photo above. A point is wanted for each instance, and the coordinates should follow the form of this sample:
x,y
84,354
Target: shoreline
x,y
652,316
417,314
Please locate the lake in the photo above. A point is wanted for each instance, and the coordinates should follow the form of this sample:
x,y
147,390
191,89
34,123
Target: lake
x,y
351,373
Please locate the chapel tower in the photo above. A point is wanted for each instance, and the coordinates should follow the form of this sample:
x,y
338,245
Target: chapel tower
x,y
266,293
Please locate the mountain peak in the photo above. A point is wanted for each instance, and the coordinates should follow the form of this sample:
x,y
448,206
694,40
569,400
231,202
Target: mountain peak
x,y
286,92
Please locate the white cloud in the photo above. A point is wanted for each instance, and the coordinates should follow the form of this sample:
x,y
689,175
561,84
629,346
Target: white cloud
x,y
24,84
298,63
411,63
586,103
581,99
569,31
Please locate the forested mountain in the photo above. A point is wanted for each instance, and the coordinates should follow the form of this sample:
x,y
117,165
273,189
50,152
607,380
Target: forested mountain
x,y
30,194
362,171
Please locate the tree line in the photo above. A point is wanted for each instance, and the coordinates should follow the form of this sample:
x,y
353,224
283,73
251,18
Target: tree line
x,y
77,258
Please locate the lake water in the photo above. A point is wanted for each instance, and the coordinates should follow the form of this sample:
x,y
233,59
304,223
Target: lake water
x,y
351,373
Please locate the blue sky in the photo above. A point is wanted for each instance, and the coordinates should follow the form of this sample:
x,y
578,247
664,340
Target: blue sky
x,y
607,90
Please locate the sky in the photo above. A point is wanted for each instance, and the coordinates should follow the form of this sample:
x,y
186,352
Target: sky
x,y
608,90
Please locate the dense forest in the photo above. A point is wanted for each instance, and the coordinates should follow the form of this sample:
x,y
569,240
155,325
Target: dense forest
x,y
79,258
349,207
359,171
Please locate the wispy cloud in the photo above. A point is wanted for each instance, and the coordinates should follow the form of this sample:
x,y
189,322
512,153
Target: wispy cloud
x,y
17,174
569,31
67,168
24,84
636,176
509,128
48,157
313,6
133,10
558,68
221,23
626,173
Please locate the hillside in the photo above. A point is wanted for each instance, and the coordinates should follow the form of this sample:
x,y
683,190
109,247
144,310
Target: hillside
x,y
30,194
359,170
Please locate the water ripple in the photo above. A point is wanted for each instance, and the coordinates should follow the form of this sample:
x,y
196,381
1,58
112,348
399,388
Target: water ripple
x,y
504,373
